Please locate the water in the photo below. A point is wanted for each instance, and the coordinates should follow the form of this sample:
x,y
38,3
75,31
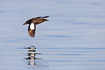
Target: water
x,y
72,39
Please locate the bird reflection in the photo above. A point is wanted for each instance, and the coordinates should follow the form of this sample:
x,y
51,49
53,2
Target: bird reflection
x,y
31,55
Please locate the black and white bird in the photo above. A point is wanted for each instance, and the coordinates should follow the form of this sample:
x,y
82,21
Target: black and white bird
x,y
32,24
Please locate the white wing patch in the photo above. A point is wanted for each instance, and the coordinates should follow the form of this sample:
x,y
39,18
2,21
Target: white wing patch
x,y
32,26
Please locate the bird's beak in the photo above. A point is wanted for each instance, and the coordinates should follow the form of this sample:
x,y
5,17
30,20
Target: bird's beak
x,y
25,24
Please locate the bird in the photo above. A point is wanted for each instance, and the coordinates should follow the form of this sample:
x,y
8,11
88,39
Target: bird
x,y
32,24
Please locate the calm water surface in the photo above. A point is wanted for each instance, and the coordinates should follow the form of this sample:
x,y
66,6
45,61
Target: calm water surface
x,y
72,39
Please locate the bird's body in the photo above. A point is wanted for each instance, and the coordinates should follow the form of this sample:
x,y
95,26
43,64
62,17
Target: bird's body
x,y
32,24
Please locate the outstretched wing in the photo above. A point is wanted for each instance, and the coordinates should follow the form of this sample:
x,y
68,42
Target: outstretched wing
x,y
31,29
43,17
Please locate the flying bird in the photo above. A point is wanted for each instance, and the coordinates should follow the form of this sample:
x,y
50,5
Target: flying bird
x,y
32,24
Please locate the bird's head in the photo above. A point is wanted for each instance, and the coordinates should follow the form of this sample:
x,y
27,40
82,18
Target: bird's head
x,y
27,22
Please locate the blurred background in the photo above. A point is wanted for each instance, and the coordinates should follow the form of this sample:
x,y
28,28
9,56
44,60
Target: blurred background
x,y
72,39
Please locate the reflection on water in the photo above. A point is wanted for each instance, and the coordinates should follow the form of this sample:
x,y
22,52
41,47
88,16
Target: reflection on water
x,y
31,55
31,59
73,39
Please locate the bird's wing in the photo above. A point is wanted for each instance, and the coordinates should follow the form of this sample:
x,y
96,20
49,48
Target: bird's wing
x,y
43,17
31,29
31,33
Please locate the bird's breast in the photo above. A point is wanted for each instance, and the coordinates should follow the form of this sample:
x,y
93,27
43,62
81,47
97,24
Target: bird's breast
x,y
32,27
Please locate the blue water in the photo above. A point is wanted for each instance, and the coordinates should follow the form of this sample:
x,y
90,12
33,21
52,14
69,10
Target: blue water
x,y
72,39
